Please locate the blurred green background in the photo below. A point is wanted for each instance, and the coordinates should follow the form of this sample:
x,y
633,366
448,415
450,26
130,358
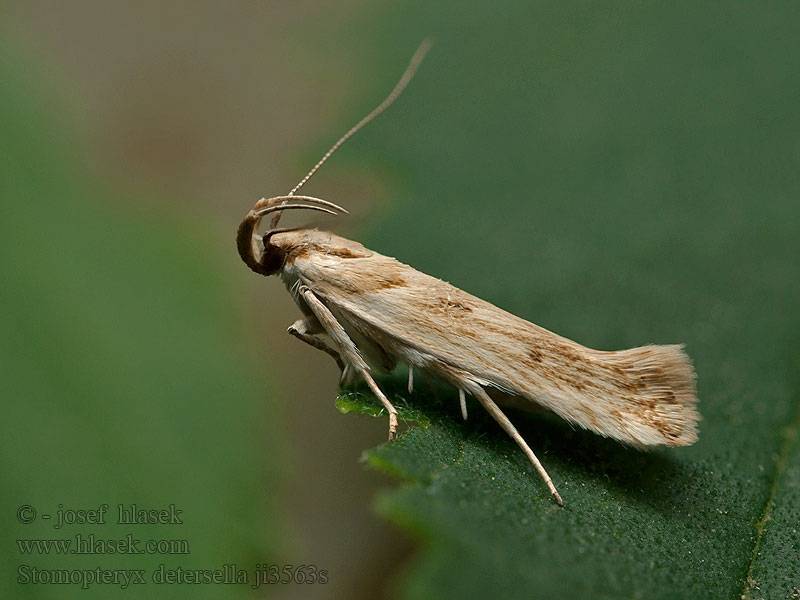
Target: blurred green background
x,y
619,173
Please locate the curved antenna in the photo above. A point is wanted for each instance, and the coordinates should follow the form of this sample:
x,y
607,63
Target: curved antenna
x,y
420,53
422,50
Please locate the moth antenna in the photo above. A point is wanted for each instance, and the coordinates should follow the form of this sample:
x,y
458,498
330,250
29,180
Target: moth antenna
x,y
412,67
420,53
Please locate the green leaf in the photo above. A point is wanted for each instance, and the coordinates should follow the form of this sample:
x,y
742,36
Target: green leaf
x,y
620,175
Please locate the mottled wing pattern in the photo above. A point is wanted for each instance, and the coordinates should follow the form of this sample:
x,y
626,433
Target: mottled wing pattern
x,y
643,396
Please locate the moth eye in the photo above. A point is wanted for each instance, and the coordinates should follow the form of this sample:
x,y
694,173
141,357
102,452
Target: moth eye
x,y
273,258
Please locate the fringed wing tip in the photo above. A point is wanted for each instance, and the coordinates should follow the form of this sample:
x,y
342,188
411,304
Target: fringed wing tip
x,y
665,408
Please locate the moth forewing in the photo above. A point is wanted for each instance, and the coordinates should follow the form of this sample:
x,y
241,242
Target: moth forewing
x,y
372,307
643,396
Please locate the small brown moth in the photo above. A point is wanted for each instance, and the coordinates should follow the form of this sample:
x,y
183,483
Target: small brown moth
x,y
374,309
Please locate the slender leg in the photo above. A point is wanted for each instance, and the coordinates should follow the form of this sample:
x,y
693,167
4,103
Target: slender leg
x,y
410,379
348,350
345,375
498,416
303,330
463,401
385,401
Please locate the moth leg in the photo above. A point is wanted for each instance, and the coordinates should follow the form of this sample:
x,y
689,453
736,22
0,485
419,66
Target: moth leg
x,y
345,375
303,330
498,416
463,401
384,400
410,379
348,349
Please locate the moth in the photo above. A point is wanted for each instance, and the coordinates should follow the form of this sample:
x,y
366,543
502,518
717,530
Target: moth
x,y
370,311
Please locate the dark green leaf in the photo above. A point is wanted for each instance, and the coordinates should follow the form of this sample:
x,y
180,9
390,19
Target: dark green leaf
x,y
620,174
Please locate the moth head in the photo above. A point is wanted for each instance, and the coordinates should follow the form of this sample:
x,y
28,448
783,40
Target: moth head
x,y
257,251
267,258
